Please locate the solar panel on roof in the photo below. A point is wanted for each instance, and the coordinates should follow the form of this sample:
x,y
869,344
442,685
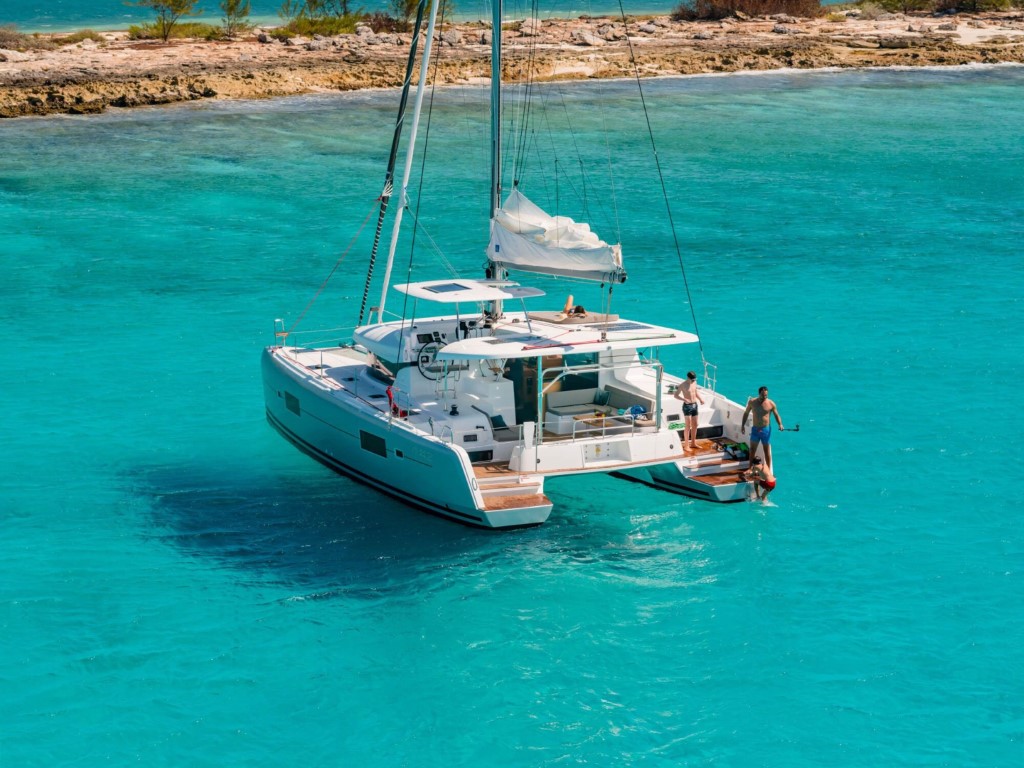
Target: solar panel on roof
x,y
447,288
521,339
627,327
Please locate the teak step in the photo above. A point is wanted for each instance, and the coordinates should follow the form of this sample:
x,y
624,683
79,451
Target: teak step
x,y
490,486
513,502
488,471
730,477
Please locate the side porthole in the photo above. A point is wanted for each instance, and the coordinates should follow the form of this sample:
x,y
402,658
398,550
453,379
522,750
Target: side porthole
x,y
373,444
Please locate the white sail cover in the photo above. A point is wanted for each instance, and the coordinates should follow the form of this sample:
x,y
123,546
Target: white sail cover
x,y
525,238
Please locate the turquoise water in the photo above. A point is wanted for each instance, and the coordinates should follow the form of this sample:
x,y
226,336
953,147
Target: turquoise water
x,y
55,15
181,587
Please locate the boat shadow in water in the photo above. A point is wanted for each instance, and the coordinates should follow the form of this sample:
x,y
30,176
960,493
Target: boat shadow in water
x,y
324,537
321,537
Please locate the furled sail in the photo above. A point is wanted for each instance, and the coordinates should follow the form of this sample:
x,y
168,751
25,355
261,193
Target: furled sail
x,y
525,238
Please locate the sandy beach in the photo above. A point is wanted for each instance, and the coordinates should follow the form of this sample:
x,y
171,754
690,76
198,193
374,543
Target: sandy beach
x,y
90,76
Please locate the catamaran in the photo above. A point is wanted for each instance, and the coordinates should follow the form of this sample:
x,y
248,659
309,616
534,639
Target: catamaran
x,y
467,408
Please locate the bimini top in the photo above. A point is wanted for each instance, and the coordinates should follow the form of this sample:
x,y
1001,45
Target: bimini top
x,y
457,290
519,340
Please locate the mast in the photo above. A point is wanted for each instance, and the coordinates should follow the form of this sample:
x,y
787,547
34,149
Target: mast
x,y
409,152
385,195
495,107
492,271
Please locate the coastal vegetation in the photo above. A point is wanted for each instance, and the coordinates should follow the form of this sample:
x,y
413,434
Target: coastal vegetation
x,y
184,30
96,72
236,13
693,10
168,13
334,17
13,40
169,25
316,17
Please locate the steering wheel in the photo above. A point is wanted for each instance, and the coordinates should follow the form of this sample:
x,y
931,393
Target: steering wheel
x,y
426,360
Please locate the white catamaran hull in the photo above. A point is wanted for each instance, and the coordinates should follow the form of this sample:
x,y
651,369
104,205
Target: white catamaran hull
x,y
678,477
356,439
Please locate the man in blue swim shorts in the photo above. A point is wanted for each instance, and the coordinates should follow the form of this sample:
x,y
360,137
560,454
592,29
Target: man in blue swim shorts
x,y
761,409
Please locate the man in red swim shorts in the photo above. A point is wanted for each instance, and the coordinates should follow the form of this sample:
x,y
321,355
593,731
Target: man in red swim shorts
x,y
762,477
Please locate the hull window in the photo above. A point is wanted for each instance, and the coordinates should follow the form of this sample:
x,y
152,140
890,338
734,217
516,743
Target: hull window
x,y
373,444
292,403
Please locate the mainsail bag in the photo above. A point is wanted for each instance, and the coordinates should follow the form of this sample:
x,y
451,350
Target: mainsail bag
x,y
525,238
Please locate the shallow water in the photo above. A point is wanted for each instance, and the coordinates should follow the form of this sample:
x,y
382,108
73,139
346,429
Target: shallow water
x,y
179,586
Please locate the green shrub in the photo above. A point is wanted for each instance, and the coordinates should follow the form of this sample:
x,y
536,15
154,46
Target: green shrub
x,y
168,13
403,11
971,6
314,9
382,22
691,10
78,37
180,31
903,6
235,14
328,26
13,40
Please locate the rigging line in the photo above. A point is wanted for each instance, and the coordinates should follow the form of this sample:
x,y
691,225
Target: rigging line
x,y
445,262
334,269
606,133
529,86
519,122
661,178
584,181
581,192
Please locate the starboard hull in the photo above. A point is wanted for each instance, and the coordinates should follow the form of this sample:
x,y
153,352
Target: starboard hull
x,y
675,477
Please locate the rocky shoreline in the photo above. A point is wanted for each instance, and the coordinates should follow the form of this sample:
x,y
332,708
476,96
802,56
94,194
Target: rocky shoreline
x,y
90,77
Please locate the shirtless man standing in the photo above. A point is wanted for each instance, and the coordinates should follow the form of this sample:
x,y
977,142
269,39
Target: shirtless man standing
x,y
689,394
760,409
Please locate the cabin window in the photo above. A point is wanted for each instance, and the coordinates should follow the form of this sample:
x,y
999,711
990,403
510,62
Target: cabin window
x,y
292,403
583,380
572,361
373,443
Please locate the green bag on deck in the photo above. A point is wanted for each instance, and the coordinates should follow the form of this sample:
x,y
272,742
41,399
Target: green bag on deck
x,y
737,450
